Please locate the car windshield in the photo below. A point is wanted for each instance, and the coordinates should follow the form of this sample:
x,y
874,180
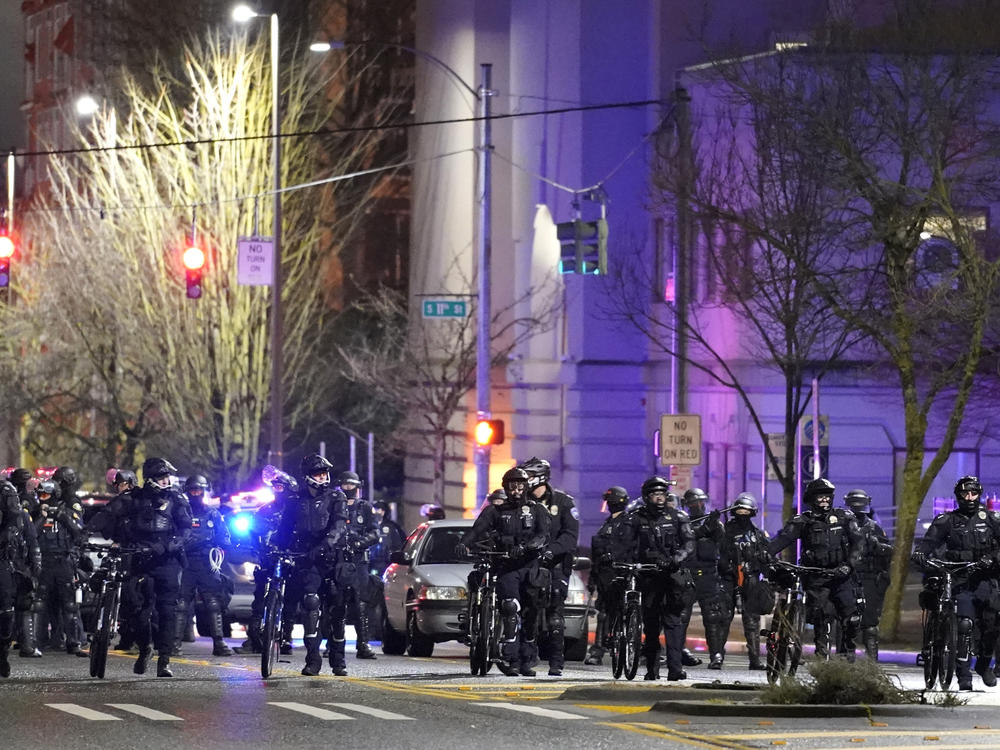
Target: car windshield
x,y
440,547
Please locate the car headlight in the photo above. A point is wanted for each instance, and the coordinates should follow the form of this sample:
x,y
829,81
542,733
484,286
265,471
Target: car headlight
x,y
443,593
577,597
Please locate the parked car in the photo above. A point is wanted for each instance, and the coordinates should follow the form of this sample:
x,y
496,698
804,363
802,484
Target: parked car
x,y
426,589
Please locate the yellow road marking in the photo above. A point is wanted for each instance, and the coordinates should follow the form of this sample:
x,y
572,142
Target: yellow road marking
x,y
686,738
854,733
614,708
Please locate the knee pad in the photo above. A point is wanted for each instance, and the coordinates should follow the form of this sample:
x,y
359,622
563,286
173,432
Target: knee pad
x,y
556,622
964,626
37,606
310,602
212,605
510,607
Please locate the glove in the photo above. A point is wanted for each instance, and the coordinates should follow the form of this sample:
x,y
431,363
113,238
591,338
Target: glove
x,y
985,562
842,571
665,565
461,550
517,551
158,548
919,558
714,516
591,587
547,557
36,569
606,559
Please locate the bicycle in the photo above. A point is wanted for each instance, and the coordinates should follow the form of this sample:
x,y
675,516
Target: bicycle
x,y
784,636
940,624
282,565
625,626
108,580
485,621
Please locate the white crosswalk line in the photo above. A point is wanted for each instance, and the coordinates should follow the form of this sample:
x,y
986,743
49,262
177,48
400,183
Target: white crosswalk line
x,y
549,713
319,713
146,713
378,713
84,713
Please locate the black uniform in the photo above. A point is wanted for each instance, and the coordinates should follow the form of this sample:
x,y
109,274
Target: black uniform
x,y
830,539
17,559
873,572
703,565
313,523
520,528
158,521
664,537
203,589
969,535
354,577
263,525
744,559
560,552
59,528
613,542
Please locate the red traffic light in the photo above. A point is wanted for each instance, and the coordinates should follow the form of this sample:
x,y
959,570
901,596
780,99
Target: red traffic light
x,y
489,432
6,246
194,258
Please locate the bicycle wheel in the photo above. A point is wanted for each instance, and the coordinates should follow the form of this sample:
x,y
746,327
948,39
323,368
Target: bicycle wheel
x,y
947,648
616,644
479,648
495,632
632,637
796,623
270,633
932,658
102,637
777,645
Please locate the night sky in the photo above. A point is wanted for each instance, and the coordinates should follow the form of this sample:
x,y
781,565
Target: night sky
x,y
11,75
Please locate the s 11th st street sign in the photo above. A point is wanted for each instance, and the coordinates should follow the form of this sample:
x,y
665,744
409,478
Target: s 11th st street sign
x,y
680,439
444,308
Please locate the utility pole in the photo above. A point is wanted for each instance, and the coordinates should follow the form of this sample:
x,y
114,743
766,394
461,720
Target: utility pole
x,y
483,348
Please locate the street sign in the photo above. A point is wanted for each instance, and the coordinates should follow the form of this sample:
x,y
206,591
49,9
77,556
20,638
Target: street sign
x,y
777,444
254,261
444,308
807,457
684,476
680,439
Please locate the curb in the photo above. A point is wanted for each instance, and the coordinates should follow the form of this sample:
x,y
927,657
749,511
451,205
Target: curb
x,y
645,692
780,710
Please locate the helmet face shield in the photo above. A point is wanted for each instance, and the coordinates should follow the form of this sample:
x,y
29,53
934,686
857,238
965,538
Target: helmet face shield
x,y
161,482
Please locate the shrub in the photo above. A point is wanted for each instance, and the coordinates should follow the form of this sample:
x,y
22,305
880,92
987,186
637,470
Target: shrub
x,y
840,682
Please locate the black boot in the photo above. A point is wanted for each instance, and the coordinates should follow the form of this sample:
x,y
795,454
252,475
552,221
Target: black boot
x,y
219,646
314,662
143,661
529,658
688,659
870,636
753,649
338,662
652,667
822,645
984,671
361,628
27,648
595,656
716,662
163,666
4,663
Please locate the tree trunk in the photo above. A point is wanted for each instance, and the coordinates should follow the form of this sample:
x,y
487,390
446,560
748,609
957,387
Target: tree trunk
x,y
906,519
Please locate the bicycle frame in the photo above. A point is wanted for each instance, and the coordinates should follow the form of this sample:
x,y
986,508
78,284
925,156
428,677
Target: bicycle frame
x,y
940,624
784,636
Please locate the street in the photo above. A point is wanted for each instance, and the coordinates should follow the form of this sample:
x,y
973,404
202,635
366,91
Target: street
x,y
402,702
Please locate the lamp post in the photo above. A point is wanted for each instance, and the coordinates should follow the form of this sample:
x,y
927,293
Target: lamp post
x,y
483,242
243,14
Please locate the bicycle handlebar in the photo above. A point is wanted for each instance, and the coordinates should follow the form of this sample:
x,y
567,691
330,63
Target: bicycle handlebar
x,y
638,567
950,566
802,569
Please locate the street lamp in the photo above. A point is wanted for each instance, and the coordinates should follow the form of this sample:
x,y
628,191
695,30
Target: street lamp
x,y
243,14
86,105
484,244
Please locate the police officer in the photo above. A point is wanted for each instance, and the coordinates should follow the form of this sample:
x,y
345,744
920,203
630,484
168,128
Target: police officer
x,y
203,590
59,527
27,623
263,525
704,567
519,527
744,559
558,556
664,538
17,557
156,519
123,481
872,569
968,534
390,537
314,524
353,575
830,539
613,542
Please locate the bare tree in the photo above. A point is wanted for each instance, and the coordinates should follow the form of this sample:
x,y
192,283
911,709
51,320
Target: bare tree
x,y
424,369
117,356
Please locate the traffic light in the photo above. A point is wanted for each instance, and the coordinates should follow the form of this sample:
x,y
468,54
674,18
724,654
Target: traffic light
x,y
194,262
6,253
584,246
489,432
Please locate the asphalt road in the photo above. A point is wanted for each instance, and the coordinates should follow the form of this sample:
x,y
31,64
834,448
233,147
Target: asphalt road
x,y
401,702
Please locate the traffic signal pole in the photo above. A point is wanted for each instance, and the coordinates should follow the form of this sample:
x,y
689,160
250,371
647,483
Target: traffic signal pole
x,y
483,348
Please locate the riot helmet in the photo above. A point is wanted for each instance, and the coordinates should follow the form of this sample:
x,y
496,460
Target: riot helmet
x,y
654,493
497,497
615,499
968,490
433,512
47,492
858,501
539,471
315,469
65,477
282,484
350,484
695,501
19,478
196,487
515,483
819,495
745,505
673,500
157,473
124,480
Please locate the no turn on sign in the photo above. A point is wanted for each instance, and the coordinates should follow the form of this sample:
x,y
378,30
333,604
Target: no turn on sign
x,y
680,439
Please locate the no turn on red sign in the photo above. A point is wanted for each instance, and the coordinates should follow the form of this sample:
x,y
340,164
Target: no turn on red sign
x,y
680,439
